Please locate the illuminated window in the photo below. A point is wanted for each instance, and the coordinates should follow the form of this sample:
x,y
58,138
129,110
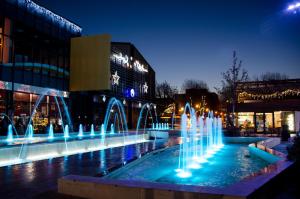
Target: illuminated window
x,y
289,120
260,122
277,119
269,121
246,120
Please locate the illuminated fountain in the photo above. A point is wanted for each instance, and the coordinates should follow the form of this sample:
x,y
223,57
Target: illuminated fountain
x,y
145,112
80,132
112,129
26,151
66,131
92,130
220,133
30,132
51,133
201,158
160,126
192,152
10,137
115,107
102,130
184,153
194,145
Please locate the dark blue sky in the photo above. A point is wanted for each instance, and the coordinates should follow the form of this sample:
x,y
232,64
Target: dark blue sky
x,y
195,39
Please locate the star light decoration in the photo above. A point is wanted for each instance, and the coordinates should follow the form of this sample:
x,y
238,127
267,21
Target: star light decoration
x,y
145,88
116,78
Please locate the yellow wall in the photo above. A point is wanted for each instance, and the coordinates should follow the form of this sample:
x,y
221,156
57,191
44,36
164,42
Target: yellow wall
x,y
90,63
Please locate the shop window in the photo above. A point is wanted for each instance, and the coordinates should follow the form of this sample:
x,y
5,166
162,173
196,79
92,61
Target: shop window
x,y
269,121
289,120
277,119
246,120
260,122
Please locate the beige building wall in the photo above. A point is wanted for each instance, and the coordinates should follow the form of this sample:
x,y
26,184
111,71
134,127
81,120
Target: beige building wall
x,y
90,63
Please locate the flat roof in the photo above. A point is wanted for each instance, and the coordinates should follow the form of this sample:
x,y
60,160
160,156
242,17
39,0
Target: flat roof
x,y
34,8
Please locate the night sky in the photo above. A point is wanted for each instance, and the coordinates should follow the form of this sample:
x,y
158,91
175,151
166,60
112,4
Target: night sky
x,y
195,39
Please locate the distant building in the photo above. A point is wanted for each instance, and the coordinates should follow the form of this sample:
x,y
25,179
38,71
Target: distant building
x,y
200,99
34,59
100,70
265,106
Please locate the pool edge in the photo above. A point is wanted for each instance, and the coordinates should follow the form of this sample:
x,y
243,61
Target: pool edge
x,y
93,187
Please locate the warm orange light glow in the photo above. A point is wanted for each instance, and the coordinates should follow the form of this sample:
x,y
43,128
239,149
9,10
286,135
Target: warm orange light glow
x,y
181,109
206,109
197,106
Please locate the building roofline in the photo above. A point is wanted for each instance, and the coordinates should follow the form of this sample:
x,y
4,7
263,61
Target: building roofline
x,y
34,8
271,81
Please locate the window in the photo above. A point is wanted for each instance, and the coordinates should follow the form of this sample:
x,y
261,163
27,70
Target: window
x,y
269,121
246,120
260,122
277,119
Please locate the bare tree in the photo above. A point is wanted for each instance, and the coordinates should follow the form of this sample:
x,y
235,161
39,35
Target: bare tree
x,y
192,83
165,90
231,78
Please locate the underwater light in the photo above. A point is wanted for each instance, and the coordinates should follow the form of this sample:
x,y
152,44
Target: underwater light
x,y
194,165
200,159
184,174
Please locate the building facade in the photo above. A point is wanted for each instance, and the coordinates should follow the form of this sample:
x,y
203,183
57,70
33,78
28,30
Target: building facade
x,y
102,69
200,99
266,106
34,60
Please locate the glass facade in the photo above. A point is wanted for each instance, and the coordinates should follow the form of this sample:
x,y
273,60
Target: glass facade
x,y
137,78
34,60
267,122
246,120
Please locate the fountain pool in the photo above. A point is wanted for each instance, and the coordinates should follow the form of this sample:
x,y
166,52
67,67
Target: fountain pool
x,y
230,165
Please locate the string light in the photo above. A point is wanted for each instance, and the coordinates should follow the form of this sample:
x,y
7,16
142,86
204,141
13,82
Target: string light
x,y
275,95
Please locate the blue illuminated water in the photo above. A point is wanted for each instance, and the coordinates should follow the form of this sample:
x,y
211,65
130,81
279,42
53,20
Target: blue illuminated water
x,y
30,132
66,132
10,137
51,133
80,132
92,130
231,164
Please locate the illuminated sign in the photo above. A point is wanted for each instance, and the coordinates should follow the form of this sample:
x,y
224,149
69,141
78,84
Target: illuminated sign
x,y
123,60
139,67
132,93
